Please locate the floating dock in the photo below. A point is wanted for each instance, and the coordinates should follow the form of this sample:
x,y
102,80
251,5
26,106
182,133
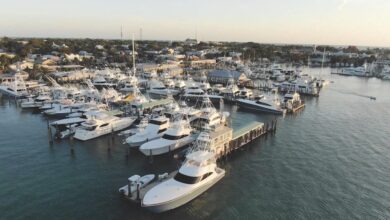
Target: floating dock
x,y
137,196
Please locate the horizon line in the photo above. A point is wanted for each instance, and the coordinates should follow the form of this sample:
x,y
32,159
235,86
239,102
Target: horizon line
x,y
222,41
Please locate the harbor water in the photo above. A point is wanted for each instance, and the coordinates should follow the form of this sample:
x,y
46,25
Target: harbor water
x,y
329,161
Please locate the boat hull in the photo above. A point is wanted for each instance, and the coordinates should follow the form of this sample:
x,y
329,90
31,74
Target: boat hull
x,y
163,207
166,148
260,108
84,135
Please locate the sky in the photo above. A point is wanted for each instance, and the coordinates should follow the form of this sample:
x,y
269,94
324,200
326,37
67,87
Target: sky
x,y
331,22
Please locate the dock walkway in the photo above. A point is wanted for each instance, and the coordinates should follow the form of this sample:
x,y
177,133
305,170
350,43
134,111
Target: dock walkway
x,y
249,133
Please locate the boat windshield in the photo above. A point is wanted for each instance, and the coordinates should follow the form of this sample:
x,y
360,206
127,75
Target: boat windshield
x,y
263,103
171,137
156,122
89,128
186,179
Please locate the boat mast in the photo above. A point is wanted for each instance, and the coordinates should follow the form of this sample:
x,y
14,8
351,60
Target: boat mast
x,y
323,60
134,69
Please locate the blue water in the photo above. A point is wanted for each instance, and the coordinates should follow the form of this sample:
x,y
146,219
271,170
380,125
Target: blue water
x,y
330,161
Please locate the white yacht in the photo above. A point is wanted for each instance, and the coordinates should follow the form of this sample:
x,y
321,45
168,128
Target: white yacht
x,y
246,93
194,92
180,85
129,84
159,90
64,110
155,129
198,173
99,82
231,91
303,85
292,100
101,123
354,71
15,88
36,102
177,136
265,104
209,116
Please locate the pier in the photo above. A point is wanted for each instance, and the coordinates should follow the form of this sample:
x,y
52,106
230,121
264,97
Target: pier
x,y
247,134
296,107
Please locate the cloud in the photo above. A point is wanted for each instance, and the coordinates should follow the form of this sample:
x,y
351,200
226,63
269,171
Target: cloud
x,y
342,4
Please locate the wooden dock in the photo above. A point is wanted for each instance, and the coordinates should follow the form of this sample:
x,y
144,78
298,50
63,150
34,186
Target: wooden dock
x,y
137,196
296,108
247,134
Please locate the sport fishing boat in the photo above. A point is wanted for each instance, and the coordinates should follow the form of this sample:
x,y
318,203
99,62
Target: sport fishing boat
x,y
36,102
155,129
100,123
198,173
157,89
194,93
209,116
177,136
15,88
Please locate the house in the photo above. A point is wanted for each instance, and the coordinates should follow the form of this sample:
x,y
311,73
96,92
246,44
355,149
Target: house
x,y
99,47
223,76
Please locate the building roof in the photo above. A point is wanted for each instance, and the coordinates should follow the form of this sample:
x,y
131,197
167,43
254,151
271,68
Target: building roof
x,y
225,74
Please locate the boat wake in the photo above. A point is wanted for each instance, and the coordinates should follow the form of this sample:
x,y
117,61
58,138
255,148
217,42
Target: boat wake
x,y
354,93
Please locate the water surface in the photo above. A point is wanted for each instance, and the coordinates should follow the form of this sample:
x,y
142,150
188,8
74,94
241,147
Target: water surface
x,y
330,161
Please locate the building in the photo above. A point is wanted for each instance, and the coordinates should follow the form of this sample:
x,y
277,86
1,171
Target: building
x,y
223,76
206,63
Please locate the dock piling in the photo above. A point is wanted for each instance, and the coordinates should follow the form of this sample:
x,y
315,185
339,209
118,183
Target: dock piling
x,y
49,133
150,156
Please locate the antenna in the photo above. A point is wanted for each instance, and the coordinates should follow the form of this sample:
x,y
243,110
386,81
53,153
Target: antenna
x,y
140,34
121,33
134,69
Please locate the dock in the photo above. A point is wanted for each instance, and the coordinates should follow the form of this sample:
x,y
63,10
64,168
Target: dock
x,y
296,108
225,140
247,134
137,196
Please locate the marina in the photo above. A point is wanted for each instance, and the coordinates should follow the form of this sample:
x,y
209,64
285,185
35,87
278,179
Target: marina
x,y
100,146
192,130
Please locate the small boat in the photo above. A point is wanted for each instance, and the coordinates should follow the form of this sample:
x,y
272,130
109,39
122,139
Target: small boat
x,y
135,182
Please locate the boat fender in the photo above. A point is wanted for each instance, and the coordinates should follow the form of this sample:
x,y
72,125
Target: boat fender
x,y
162,176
